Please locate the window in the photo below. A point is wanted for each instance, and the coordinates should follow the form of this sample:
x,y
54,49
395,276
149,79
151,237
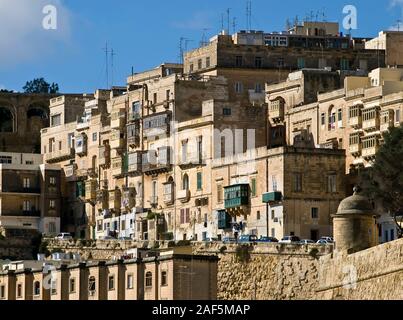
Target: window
x,y
37,288
258,215
191,67
52,204
7,160
274,182
94,137
258,62
238,61
155,98
72,285
52,181
2,292
154,189
27,205
258,88
340,115
301,63
273,214
185,216
70,140
164,278
27,183
297,182
184,151
344,64
130,281
208,62
111,283
238,87
253,187
200,149
220,196
52,227
226,111
185,182
332,121
315,213
332,183
149,279
199,181
200,64
323,119
55,120
19,290
53,286
397,115
168,95
280,63
60,145
92,285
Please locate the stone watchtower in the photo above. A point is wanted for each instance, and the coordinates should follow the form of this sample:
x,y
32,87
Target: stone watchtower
x,y
355,224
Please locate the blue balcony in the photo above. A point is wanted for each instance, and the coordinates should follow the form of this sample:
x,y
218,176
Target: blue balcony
x,y
272,197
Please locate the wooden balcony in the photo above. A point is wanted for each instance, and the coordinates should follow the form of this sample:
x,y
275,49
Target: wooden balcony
x,y
355,122
118,119
169,193
370,153
60,155
104,156
115,199
129,198
237,199
103,199
118,168
355,149
156,125
387,120
371,124
153,165
117,140
135,163
183,195
91,190
70,172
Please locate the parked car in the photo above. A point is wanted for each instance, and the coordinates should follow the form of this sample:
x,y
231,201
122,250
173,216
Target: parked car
x,y
248,238
210,239
290,239
267,239
64,236
228,240
328,239
307,242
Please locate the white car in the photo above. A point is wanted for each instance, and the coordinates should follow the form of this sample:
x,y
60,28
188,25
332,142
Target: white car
x,y
328,239
307,242
290,240
64,236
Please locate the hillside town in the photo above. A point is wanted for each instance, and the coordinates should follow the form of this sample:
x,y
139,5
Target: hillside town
x,y
257,138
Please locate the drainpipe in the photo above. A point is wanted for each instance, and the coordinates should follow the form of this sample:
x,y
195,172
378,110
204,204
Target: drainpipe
x,y
267,190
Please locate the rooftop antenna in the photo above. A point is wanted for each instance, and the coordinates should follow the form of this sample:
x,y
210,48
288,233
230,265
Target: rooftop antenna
x,y
106,50
398,24
248,15
222,22
228,20
113,54
234,24
204,41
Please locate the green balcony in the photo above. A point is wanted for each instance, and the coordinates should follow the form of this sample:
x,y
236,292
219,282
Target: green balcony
x,y
224,220
237,199
272,197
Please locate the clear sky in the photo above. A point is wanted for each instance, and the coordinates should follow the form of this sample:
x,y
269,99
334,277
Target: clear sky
x,y
143,34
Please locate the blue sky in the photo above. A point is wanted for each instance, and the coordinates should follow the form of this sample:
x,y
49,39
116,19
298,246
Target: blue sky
x,y
142,33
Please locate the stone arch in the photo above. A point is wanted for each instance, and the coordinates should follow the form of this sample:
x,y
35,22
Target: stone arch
x,y
37,117
7,119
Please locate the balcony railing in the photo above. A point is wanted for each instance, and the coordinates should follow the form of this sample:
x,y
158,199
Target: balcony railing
x,y
60,155
183,195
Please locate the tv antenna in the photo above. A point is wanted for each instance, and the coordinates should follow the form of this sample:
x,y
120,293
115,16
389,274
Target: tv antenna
x,y
228,20
113,54
204,41
399,22
106,50
234,24
183,46
248,15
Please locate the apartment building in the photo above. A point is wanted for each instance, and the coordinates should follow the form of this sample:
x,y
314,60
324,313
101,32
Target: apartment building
x,y
29,194
351,118
164,276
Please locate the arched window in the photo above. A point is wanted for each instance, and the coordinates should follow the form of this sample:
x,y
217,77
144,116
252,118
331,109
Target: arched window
x,y
37,288
332,118
185,182
149,279
164,278
6,120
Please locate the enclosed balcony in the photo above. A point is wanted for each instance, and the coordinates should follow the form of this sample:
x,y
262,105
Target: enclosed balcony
x,y
169,193
133,135
355,116
156,125
91,190
355,147
70,172
183,195
115,199
157,162
134,163
118,119
277,110
60,155
224,220
371,120
387,120
237,199
119,166
104,156
81,145
129,198
117,139
134,117
103,199
370,147
272,197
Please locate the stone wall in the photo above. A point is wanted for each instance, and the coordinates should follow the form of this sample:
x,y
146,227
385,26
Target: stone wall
x,y
17,249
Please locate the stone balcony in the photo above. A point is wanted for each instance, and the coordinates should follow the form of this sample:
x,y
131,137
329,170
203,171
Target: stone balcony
x,y
118,119
60,155
183,195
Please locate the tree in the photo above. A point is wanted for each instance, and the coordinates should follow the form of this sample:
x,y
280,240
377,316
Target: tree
x,y
39,85
6,91
384,181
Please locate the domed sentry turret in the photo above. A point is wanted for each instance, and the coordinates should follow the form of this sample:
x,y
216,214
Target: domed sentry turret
x,y
355,224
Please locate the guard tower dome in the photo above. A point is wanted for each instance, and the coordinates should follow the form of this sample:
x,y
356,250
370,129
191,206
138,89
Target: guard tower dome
x,y
355,224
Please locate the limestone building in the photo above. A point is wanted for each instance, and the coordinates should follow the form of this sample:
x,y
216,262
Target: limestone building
x,y
29,195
